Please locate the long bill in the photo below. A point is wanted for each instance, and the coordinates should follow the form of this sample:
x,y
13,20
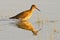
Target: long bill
x,y
38,9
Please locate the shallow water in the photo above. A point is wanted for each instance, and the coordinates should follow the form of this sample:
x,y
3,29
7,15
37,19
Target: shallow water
x,y
10,31
50,11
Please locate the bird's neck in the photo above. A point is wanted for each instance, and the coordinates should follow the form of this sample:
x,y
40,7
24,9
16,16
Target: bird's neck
x,y
32,9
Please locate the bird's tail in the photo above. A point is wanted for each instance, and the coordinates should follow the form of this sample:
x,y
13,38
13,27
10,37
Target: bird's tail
x,y
13,17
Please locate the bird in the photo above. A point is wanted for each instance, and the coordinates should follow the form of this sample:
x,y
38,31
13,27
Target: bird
x,y
25,15
27,26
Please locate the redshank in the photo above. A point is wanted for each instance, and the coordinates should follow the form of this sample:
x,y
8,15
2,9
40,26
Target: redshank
x,y
25,15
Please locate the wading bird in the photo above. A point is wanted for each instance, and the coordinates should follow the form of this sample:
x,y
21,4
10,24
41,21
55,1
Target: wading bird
x,y
25,15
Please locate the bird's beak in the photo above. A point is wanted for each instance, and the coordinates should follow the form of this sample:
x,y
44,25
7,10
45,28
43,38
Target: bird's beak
x,y
38,9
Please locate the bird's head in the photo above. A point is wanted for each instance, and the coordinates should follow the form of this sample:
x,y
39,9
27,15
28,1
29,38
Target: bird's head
x,y
33,7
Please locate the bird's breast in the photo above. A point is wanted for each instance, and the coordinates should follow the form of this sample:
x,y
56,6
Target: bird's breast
x,y
27,15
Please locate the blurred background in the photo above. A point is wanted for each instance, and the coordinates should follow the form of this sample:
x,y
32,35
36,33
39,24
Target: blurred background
x,y
50,10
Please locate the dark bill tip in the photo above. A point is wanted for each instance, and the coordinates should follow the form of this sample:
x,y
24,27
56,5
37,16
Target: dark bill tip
x,y
38,9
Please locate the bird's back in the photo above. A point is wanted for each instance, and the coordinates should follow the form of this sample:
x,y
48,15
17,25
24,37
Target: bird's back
x,y
23,15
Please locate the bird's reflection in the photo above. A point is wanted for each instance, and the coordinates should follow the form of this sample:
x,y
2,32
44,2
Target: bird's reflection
x,y
27,26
